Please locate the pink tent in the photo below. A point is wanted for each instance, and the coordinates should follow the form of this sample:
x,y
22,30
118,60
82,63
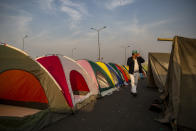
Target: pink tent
x,y
85,64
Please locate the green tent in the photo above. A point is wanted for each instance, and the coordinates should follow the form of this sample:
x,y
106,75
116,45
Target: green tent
x,y
105,83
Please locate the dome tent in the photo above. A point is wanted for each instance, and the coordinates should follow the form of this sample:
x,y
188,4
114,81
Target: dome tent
x,y
123,73
106,85
76,84
105,68
126,67
113,71
117,70
126,72
85,64
109,72
26,90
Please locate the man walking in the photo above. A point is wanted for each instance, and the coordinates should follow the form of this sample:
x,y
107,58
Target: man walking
x,y
135,68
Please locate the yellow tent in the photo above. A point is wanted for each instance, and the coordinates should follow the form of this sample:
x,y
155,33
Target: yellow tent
x,y
105,68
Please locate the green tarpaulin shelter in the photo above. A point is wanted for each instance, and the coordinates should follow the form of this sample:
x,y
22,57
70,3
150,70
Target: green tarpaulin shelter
x,y
157,69
180,86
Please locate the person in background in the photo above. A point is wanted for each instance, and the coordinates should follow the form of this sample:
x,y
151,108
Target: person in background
x,y
135,68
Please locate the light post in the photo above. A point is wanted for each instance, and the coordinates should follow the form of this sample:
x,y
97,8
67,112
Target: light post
x,y
126,53
98,30
23,41
72,53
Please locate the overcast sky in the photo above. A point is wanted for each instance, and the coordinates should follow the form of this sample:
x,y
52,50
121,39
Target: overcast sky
x,y
58,26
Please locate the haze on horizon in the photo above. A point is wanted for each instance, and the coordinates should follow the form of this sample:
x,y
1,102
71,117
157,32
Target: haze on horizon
x,y
59,26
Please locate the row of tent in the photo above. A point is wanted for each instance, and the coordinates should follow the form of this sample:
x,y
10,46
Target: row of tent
x,y
175,76
52,83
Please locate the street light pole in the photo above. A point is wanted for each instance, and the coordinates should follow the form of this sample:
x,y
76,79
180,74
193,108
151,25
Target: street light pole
x,y
23,41
99,57
73,52
126,53
98,30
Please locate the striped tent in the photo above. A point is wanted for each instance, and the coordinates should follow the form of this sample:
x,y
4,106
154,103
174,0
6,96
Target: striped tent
x,y
105,83
115,75
76,84
117,71
123,73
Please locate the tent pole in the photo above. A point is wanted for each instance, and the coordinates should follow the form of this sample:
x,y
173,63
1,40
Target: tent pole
x,y
164,39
